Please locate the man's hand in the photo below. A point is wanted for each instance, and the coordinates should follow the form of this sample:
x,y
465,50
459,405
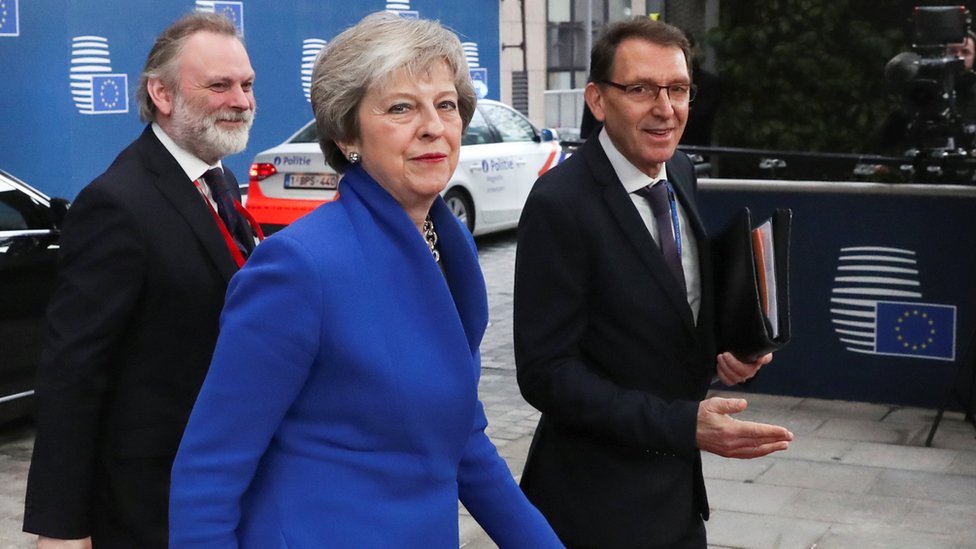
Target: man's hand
x,y
732,371
52,543
719,433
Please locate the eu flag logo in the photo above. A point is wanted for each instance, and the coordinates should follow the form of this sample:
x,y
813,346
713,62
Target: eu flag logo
x,y
479,78
233,11
916,329
109,93
9,18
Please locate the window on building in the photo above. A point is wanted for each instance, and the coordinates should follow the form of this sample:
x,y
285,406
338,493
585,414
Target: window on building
x,y
568,53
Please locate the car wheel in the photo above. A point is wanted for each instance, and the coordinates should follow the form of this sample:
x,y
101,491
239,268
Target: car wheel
x,y
460,204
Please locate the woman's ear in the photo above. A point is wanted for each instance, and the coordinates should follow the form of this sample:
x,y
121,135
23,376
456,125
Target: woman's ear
x,y
347,147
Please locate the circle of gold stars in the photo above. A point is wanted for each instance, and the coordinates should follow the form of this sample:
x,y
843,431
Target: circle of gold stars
x,y
3,14
229,13
114,101
926,339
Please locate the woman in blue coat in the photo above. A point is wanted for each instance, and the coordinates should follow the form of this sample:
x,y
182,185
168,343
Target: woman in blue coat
x,y
341,407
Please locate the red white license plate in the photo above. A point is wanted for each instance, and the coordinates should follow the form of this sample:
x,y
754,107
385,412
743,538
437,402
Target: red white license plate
x,y
311,181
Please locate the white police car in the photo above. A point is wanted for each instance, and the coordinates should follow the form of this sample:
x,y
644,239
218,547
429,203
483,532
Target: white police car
x,y
502,154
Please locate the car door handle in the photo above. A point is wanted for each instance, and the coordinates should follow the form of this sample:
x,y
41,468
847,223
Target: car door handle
x,y
520,161
475,167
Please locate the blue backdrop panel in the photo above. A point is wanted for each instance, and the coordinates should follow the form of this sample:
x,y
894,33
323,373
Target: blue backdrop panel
x,y
63,61
882,283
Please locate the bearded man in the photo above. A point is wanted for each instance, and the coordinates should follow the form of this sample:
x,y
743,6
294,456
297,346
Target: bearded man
x,y
147,251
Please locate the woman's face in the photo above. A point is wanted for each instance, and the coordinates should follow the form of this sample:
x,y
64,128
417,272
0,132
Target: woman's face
x,y
410,134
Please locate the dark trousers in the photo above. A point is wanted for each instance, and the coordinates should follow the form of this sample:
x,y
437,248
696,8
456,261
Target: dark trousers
x,y
695,539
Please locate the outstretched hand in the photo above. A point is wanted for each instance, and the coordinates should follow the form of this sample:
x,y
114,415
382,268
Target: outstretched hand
x,y
719,433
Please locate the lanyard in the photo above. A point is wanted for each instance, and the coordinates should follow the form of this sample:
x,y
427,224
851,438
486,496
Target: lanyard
x,y
251,221
675,224
228,239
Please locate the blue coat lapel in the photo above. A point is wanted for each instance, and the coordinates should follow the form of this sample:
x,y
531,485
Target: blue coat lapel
x,y
463,272
461,288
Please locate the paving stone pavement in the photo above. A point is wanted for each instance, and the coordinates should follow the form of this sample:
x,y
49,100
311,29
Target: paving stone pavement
x,y
857,476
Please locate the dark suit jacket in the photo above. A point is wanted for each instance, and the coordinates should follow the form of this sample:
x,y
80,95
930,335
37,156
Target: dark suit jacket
x,y
132,326
607,349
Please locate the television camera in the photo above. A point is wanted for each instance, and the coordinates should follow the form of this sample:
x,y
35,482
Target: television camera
x,y
941,138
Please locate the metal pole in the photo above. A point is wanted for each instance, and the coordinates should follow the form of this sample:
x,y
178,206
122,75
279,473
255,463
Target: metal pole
x,y
588,29
525,55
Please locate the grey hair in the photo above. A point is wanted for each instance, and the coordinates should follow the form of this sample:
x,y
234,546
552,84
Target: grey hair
x,y
364,57
163,59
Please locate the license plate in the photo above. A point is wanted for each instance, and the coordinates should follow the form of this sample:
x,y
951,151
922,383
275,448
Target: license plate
x,y
311,181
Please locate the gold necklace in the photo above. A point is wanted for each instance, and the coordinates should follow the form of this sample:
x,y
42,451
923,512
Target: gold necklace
x,y
431,237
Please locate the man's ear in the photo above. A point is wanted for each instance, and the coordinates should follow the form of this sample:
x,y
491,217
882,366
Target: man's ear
x,y
161,96
594,100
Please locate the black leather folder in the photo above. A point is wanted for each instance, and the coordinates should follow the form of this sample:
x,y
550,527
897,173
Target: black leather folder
x,y
742,325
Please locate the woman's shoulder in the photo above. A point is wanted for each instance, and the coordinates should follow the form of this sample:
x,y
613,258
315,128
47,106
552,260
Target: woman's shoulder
x,y
322,233
321,223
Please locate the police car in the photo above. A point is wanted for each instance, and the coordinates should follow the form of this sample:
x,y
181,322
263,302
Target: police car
x,y
502,154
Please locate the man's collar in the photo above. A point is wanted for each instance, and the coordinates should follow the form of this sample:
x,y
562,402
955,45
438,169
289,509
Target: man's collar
x,y
629,175
193,166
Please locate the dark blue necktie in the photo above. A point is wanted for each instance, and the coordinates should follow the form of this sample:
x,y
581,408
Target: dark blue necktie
x,y
236,224
657,196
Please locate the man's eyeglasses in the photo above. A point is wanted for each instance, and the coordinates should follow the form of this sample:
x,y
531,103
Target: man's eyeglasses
x,y
679,94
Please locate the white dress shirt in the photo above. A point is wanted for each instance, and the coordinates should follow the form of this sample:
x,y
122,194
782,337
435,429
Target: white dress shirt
x,y
192,166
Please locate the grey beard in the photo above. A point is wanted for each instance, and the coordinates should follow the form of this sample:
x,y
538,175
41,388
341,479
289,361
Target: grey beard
x,y
200,135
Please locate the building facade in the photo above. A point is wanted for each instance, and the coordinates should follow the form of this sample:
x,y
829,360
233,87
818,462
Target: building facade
x,y
546,44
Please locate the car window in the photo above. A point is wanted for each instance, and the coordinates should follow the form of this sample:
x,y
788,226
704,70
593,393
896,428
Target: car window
x,y
510,124
19,212
309,134
479,132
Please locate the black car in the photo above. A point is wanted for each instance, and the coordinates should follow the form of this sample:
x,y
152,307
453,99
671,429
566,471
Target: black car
x,y
29,243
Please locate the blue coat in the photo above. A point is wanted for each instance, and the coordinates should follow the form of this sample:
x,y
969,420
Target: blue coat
x,y
341,408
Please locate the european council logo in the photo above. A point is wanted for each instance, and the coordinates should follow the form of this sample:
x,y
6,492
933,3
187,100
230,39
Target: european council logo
x,y
310,52
95,89
231,10
877,307
402,8
479,75
9,18
916,329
